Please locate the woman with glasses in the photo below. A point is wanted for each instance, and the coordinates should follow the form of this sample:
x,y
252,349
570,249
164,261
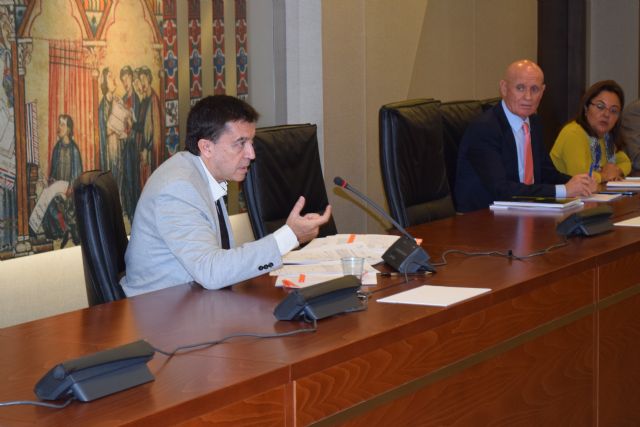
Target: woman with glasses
x,y
592,142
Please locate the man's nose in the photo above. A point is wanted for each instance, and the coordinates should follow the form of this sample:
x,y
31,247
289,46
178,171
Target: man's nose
x,y
250,153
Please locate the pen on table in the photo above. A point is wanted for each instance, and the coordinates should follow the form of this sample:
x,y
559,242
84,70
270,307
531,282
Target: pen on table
x,y
419,273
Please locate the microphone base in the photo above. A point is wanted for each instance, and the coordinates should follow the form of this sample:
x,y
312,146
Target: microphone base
x,y
407,257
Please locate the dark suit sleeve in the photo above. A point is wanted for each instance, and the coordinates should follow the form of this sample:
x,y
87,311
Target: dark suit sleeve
x,y
545,171
493,157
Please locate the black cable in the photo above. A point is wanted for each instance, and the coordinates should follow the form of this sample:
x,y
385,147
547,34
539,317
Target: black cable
x,y
171,354
228,337
509,254
36,403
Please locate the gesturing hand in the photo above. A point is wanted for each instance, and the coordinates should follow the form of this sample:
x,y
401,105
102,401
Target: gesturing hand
x,y
306,227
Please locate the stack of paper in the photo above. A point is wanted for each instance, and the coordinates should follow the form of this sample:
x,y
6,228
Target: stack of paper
x,y
628,182
537,203
300,275
319,260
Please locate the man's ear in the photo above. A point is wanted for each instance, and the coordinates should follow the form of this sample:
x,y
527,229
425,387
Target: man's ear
x,y
204,146
503,88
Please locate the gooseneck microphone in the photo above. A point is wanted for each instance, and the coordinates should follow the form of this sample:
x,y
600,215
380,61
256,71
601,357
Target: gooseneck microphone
x,y
404,255
344,184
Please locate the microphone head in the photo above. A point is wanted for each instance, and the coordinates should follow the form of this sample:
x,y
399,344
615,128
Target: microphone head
x,y
339,182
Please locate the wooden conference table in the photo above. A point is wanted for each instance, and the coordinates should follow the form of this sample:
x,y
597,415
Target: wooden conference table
x,y
556,342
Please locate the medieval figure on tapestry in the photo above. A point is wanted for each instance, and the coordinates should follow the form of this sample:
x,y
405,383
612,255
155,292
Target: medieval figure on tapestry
x,y
149,128
54,210
130,187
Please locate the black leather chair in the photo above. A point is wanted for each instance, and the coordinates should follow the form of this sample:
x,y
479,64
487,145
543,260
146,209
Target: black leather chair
x,y
287,165
102,235
412,161
489,102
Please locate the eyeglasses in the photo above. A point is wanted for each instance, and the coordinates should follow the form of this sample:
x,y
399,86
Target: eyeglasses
x,y
601,106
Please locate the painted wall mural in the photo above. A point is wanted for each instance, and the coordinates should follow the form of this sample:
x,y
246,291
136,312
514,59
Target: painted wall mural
x,y
92,84
242,56
219,87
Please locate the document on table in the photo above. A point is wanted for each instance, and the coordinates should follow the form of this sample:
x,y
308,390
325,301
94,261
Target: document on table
x,y
631,222
368,246
302,275
319,260
441,296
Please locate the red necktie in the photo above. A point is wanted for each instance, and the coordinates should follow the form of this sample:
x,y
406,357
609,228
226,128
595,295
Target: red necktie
x,y
528,156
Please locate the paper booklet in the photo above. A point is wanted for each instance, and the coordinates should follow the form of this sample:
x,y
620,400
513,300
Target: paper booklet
x,y
629,182
537,203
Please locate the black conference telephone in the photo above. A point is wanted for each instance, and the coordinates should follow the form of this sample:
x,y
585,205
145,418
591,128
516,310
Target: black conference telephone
x,y
321,300
587,222
96,375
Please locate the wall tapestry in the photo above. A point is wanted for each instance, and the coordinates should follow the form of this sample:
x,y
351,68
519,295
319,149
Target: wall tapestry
x,y
93,84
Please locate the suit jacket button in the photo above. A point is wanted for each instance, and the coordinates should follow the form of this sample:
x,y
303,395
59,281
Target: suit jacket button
x,y
270,264
260,268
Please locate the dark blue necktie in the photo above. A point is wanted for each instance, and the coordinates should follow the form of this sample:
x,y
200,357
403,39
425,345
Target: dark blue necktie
x,y
224,233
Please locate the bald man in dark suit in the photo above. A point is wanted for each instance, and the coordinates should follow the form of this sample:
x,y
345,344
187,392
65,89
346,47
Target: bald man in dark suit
x,y
493,150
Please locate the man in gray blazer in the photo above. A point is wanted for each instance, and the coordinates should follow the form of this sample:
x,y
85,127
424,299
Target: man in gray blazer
x,y
181,233
631,132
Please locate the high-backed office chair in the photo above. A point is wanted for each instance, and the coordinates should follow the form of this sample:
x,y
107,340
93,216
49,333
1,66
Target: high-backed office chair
x,y
287,165
456,116
489,102
412,161
102,235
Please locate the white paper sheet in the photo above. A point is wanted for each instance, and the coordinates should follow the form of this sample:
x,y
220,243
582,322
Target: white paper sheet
x,y
441,296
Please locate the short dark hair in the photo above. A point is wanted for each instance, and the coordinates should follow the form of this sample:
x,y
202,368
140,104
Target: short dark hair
x,y
209,116
585,101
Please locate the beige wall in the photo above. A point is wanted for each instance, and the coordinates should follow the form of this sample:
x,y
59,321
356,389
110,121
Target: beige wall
x,y
375,52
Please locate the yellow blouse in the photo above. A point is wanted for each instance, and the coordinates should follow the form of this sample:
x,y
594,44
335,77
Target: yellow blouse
x,y
571,153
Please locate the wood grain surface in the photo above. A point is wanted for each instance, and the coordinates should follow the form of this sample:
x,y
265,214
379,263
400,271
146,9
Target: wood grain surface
x,y
555,342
